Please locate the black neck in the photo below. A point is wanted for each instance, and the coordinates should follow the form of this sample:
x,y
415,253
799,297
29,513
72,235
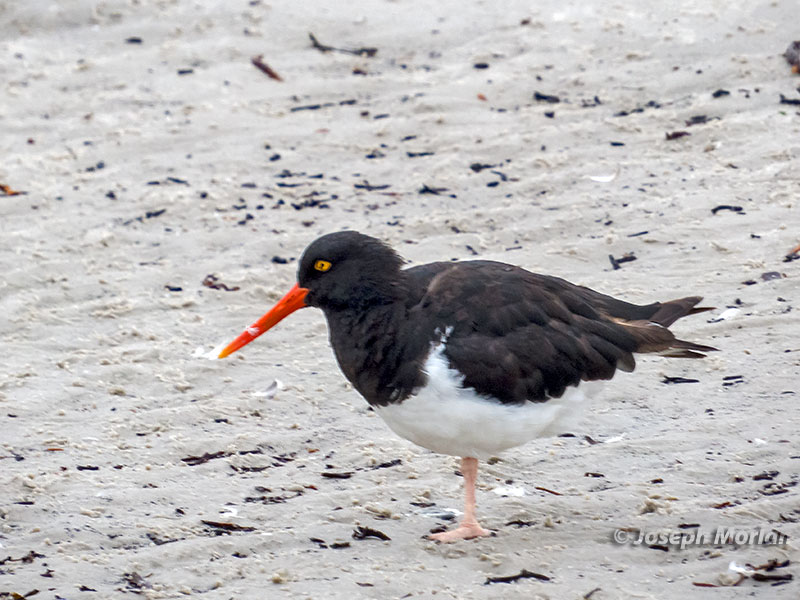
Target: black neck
x,y
378,351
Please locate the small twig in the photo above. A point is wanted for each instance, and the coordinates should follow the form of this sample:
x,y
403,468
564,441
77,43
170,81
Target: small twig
x,y
616,262
259,63
762,577
369,187
363,51
736,209
544,489
9,191
321,47
332,475
426,189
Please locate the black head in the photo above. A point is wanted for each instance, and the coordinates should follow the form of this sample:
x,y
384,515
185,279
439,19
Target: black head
x,y
348,269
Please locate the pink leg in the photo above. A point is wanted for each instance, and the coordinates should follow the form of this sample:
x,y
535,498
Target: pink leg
x,y
469,527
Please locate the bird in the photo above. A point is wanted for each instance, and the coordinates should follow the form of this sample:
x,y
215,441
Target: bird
x,y
469,358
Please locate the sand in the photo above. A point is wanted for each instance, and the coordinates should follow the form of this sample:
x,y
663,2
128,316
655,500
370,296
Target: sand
x,y
151,165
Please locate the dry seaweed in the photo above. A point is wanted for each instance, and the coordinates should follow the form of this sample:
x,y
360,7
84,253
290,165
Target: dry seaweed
x,y
792,56
213,282
362,533
674,135
616,262
224,527
523,574
673,380
736,209
548,98
193,461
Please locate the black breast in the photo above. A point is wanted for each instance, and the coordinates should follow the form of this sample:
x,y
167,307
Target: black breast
x,y
380,348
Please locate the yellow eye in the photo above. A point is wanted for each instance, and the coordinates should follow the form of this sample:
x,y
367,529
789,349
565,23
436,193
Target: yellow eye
x,y
322,265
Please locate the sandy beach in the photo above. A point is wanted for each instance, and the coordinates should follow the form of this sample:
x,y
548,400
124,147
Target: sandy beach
x,y
167,186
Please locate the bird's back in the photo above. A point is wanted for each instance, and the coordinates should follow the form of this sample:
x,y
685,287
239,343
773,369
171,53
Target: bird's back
x,y
518,336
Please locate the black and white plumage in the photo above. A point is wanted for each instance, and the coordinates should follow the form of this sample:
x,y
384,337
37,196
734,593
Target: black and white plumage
x,y
470,358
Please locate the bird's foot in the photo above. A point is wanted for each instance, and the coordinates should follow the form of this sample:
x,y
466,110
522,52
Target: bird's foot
x,y
462,532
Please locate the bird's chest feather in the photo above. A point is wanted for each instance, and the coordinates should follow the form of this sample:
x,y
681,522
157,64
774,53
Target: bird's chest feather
x,y
377,353
446,417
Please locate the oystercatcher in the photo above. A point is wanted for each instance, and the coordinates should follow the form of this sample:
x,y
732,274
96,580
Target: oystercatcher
x,y
469,358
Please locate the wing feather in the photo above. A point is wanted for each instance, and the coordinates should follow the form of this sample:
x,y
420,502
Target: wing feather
x,y
519,336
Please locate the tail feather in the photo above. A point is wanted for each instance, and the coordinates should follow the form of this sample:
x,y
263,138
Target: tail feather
x,y
652,334
655,338
669,312
649,324
684,345
683,349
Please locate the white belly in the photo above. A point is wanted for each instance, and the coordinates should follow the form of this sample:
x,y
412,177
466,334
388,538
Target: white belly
x,y
447,418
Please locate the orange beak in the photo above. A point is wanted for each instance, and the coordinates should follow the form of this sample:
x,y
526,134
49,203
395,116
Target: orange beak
x,y
291,302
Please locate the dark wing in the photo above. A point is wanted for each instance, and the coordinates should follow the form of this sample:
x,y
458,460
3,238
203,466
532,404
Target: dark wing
x,y
519,336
